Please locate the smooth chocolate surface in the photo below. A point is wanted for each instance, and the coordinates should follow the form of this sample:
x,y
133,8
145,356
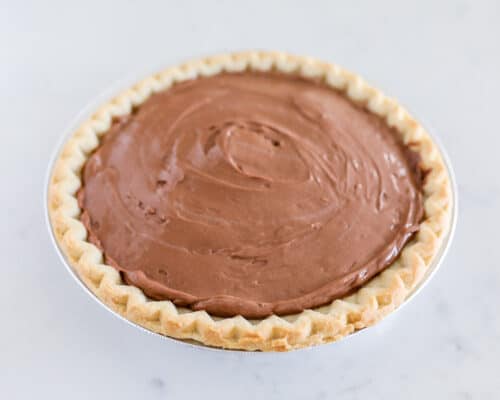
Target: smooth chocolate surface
x,y
251,194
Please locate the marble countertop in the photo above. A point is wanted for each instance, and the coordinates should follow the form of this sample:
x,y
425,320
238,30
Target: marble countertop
x,y
441,59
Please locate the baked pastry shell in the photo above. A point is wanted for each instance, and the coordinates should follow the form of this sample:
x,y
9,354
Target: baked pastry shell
x,y
385,293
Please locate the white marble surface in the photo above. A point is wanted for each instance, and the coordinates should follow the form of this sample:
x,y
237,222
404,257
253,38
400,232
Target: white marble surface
x,y
442,59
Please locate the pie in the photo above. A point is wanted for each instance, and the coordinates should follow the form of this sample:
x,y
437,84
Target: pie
x,y
256,201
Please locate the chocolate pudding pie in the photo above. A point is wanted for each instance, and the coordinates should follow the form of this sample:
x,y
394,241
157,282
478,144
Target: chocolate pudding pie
x,y
256,201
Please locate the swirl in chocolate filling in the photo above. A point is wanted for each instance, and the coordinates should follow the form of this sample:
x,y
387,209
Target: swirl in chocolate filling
x,y
250,193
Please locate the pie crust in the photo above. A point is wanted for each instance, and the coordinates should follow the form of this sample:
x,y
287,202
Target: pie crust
x,y
329,323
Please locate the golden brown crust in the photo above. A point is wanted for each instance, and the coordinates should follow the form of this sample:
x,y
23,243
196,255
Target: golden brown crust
x,y
324,324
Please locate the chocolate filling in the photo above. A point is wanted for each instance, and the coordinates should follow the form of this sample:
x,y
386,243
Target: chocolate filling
x,y
250,194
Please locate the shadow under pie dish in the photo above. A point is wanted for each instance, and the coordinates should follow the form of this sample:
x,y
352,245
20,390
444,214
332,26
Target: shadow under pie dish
x,y
256,201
